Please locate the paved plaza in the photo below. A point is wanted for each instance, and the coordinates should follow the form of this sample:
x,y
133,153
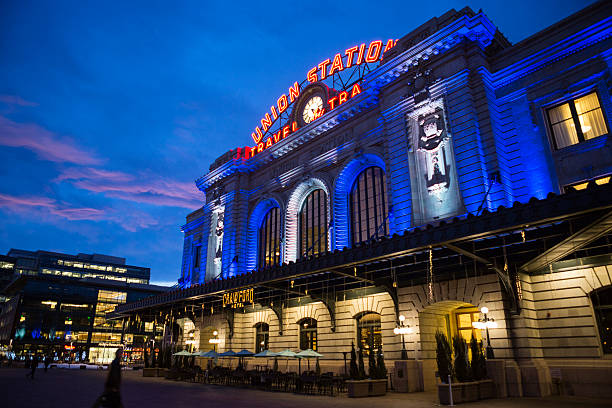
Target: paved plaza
x,y
79,389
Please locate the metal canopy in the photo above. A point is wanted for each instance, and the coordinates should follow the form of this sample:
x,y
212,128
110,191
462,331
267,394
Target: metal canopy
x,y
474,245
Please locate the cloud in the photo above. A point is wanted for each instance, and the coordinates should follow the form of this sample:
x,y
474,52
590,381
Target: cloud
x,y
163,283
44,143
141,188
50,210
15,100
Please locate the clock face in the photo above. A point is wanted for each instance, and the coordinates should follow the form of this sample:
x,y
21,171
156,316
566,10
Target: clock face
x,y
312,109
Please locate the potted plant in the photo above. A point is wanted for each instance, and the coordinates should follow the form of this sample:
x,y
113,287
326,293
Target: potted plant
x,y
378,374
478,368
443,359
356,386
469,388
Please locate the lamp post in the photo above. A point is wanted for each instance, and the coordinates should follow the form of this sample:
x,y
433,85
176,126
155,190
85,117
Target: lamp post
x,y
403,329
214,341
486,323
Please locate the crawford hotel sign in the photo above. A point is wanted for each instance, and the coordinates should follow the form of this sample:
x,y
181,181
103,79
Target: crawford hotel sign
x,y
317,99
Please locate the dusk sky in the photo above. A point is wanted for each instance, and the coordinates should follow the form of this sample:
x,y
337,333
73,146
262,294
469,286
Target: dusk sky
x,y
109,113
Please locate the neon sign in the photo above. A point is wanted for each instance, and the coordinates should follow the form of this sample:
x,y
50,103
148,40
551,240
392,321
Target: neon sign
x,y
352,57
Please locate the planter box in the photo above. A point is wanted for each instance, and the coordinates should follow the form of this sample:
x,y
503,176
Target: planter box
x,y
486,389
366,388
466,392
358,388
377,388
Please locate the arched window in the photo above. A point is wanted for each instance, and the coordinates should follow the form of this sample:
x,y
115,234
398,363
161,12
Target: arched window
x,y
262,335
308,334
269,239
602,305
313,224
368,205
369,334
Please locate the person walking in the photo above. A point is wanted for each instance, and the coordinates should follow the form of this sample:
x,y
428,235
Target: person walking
x,y
47,362
33,366
112,396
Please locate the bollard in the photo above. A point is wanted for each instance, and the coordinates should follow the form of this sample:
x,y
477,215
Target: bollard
x,y
450,391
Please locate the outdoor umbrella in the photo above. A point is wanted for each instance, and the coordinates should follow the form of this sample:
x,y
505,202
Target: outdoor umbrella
x,y
209,354
243,353
266,354
287,354
308,354
228,353
182,353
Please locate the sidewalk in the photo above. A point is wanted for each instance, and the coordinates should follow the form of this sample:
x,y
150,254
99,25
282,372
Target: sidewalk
x,y
80,388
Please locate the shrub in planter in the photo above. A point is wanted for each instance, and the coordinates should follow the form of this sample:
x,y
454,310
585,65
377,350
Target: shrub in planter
x,y
354,370
460,364
443,356
381,368
146,357
362,373
372,364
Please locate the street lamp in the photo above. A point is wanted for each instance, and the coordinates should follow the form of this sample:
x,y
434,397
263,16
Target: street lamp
x,y
403,330
486,323
214,341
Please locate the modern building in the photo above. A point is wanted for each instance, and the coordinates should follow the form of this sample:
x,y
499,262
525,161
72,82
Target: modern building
x,y
57,304
427,178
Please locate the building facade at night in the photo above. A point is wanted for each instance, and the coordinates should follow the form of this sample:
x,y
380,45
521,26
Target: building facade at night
x,y
56,304
450,171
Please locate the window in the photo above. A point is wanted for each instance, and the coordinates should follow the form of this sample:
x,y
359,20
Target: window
x,y
269,239
602,305
369,334
313,224
368,205
308,334
577,120
107,301
262,331
464,324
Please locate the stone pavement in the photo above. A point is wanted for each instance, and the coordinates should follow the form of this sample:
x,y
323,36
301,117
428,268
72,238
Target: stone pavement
x,y
79,389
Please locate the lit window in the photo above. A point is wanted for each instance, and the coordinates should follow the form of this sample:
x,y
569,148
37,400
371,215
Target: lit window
x,y
313,224
269,238
368,205
369,332
262,332
308,334
577,120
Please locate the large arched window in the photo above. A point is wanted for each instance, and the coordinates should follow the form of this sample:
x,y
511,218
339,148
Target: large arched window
x,y
369,333
308,334
269,239
262,336
313,224
368,205
602,305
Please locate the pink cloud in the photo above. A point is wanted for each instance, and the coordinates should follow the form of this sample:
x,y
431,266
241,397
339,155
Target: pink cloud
x,y
47,209
141,188
44,143
16,100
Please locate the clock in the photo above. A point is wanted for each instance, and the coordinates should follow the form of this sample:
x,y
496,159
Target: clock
x,y
312,109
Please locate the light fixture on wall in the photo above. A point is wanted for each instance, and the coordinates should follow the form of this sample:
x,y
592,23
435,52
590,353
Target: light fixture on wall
x,y
214,341
403,329
484,324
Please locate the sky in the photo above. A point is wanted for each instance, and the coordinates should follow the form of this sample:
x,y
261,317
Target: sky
x,y
109,111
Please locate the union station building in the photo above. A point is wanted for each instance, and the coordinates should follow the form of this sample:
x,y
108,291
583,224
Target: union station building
x,y
425,177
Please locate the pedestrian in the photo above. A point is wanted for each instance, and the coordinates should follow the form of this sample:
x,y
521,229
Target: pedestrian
x,y
33,366
47,362
112,396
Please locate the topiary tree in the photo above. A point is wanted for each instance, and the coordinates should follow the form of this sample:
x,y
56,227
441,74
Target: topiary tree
x,y
318,368
476,365
153,356
461,365
382,369
354,370
362,373
443,356
372,364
